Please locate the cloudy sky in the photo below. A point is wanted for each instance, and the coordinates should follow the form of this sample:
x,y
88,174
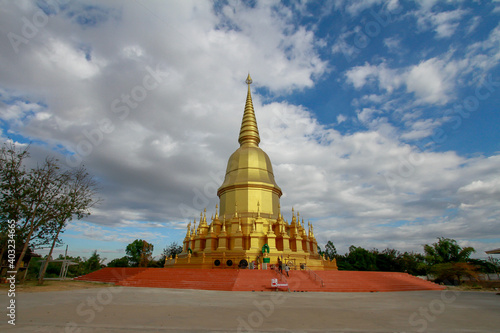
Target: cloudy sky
x,y
380,117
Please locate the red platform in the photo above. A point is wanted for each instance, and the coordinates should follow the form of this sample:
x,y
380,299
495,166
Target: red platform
x,y
259,280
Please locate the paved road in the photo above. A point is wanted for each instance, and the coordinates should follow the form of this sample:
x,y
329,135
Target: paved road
x,y
124,309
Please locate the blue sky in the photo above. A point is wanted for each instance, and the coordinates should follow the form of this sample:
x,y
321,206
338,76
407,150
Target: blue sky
x,y
380,117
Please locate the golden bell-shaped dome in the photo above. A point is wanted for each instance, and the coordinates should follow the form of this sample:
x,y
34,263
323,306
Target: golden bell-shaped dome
x,y
249,166
249,176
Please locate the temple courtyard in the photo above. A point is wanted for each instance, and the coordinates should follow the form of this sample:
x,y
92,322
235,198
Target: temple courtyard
x,y
129,309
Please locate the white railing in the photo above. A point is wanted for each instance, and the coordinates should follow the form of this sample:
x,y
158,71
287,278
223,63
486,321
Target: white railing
x,y
316,276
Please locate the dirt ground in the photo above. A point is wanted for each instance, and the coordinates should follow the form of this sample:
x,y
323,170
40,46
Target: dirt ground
x,y
54,285
128,309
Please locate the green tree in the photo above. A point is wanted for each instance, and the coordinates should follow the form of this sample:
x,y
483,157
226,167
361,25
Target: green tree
x,y
40,200
359,259
330,251
172,250
119,262
139,253
412,263
93,263
446,250
79,193
387,260
320,252
453,272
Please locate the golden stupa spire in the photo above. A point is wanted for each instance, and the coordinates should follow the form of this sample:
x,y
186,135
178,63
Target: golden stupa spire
x,y
249,133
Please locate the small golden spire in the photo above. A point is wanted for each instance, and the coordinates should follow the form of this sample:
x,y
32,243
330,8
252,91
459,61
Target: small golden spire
x,y
249,133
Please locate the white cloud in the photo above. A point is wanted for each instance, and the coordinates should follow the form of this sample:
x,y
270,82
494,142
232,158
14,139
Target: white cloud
x,y
386,78
421,129
393,44
443,23
428,82
355,7
341,118
69,59
432,81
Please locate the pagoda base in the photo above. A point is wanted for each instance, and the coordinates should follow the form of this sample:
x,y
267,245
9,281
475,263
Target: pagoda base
x,y
235,260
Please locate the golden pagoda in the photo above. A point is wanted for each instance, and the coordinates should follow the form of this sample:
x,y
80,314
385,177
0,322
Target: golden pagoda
x,y
249,231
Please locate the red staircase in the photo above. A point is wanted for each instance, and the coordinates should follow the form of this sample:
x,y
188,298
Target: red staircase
x,y
260,280
205,279
111,274
349,281
254,280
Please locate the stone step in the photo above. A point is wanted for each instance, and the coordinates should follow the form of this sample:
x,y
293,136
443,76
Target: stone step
x,y
259,280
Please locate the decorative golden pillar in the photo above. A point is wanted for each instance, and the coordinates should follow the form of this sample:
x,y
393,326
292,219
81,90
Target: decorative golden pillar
x,y
187,239
286,238
254,238
236,238
222,238
211,239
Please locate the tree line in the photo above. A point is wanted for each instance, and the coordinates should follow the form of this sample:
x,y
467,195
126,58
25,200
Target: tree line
x,y
445,260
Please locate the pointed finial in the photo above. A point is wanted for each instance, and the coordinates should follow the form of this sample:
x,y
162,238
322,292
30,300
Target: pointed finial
x,y
249,133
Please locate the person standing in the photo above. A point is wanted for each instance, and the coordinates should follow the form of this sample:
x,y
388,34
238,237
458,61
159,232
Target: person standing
x,y
287,269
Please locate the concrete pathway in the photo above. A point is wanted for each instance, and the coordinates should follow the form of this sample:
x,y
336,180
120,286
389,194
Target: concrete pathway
x,y
126,309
